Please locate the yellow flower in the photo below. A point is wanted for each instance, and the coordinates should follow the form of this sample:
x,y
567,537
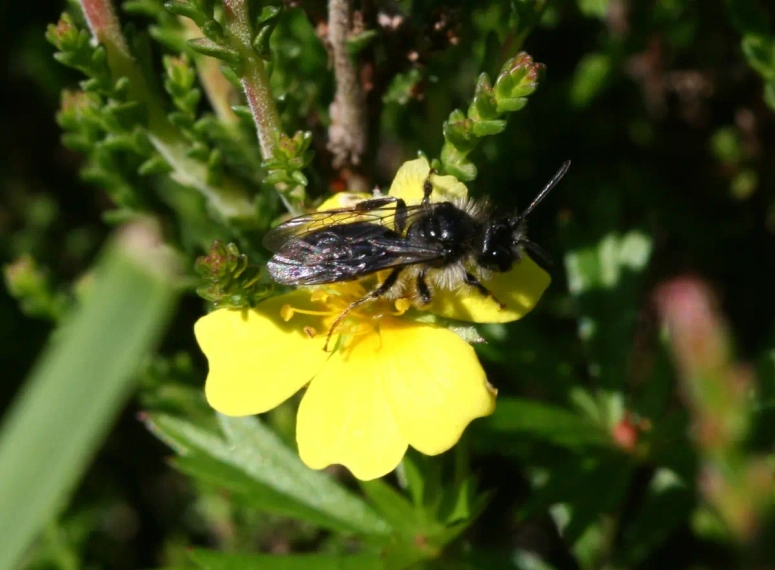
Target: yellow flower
x,y
391,382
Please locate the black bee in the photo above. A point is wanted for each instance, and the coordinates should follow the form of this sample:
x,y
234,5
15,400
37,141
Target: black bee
x,y
426,246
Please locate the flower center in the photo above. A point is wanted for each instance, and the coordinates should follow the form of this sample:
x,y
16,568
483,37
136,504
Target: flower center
x,y
350,323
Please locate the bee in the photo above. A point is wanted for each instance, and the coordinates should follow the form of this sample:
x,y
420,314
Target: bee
x,y
425,247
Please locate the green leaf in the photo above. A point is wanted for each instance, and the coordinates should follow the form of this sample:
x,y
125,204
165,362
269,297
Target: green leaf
x,y
267,21
244,489
594,8
602,266
578,491
206,46
517,417
769,94
80,384
392,505
517,79
666,505
187,10
357,43
607,280
592,74
461,502
413,476
526,560
598,491
253,463
30,285
211,560
402,87
760,53
486,128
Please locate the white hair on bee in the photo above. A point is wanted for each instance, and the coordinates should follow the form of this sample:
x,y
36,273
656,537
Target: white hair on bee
x,y
477,209
447,245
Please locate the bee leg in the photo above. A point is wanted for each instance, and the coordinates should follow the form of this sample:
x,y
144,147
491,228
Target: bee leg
x,y
474,282
375,203
400,216
400,220
427,188
383,288
422,289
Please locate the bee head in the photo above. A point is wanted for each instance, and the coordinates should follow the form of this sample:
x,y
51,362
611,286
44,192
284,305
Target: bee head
x,y
498,245
505,239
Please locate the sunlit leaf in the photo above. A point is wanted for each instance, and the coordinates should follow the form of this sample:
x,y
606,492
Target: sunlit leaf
x,y
254,463
543,422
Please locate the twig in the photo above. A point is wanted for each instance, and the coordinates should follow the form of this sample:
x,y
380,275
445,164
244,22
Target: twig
x,y
104,25
347,134
255,81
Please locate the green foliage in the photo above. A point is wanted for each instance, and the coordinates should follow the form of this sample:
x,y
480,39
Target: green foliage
x,y
254,465
635,421
208,560
516,81
526,419
119,123
758,41
101,346
76,50
293,155
30,285
230,280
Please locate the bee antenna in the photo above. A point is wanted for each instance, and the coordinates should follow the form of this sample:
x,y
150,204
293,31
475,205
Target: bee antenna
x,y
548,188
533,247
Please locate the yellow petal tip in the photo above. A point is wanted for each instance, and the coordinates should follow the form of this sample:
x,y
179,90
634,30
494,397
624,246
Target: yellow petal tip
x,y
514,294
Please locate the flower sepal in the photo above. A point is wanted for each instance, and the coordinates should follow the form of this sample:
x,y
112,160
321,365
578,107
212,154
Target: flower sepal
x,y
439,499
229,279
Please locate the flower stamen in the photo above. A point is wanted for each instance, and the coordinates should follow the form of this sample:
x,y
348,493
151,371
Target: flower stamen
x,y
287,312
356,322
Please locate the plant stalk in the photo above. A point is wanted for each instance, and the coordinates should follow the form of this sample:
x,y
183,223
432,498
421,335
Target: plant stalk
x,y
347,135
254,78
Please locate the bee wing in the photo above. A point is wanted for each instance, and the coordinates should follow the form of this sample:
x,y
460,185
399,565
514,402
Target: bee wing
x,y
380,214
340,258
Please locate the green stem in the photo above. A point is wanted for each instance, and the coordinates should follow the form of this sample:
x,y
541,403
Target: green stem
x,y
255,84
228,200
255,80
104,26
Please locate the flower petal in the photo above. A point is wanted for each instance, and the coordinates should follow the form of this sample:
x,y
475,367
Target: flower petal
x,y
257,361
518,289
343,200
412,382
410,178
344,417
434,384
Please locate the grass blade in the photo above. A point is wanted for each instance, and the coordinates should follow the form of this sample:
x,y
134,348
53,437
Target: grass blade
x,y
79,385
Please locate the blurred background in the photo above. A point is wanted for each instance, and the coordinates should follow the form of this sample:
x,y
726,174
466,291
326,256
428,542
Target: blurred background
x,y
668,205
